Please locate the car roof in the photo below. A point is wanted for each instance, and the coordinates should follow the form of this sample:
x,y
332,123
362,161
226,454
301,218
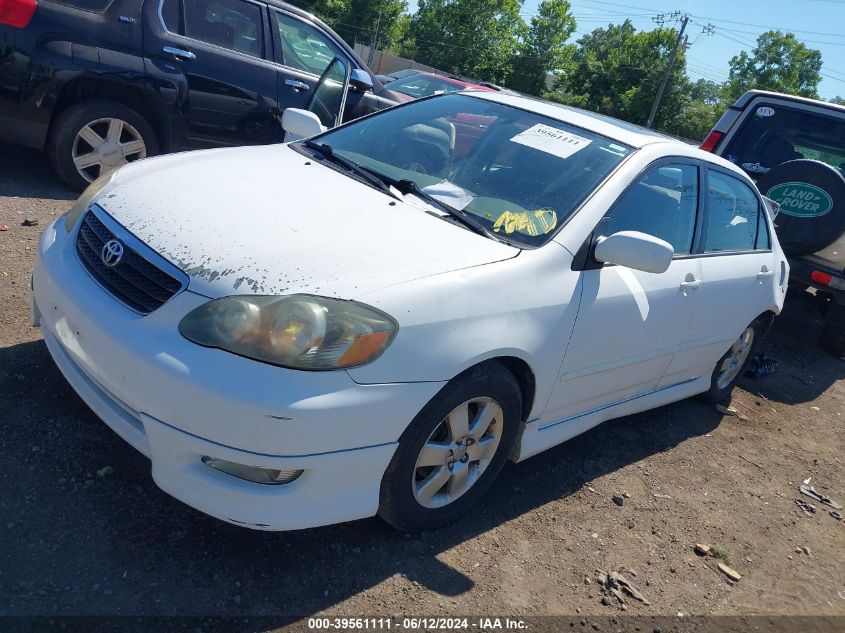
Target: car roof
x,y
746,98
616,129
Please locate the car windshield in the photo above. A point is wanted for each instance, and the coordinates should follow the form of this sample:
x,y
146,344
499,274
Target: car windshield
x,y
422,86
517,174
773,134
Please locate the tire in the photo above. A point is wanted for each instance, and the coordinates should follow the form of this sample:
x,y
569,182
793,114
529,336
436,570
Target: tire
x,y
403,502
720,392
65,140
833,340
806,226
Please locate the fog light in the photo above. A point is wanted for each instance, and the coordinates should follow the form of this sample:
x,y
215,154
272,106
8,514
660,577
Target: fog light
x,y
276,476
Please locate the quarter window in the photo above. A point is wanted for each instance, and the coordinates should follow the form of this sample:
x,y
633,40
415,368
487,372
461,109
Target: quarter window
x,y
232,24
304,47
662,203
734,219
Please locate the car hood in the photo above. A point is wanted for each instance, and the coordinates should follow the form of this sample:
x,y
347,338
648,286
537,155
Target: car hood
x,y
267,220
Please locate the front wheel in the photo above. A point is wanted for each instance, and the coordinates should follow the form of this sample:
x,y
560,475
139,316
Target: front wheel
x,y
452,451
731,366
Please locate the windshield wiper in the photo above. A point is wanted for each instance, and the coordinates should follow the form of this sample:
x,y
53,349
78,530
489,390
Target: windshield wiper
x,y
409,186
327,151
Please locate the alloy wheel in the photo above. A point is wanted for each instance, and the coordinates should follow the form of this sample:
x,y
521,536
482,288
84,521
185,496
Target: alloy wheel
x,y
734,361
457,452
104,145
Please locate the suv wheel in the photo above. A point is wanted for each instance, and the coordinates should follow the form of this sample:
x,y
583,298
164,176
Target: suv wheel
x,y
91,138
451,453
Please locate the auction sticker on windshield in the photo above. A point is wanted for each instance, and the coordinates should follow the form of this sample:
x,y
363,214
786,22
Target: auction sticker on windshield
x,y
551,140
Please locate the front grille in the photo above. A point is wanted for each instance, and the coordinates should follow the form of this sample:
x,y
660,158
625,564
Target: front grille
x,y
135,281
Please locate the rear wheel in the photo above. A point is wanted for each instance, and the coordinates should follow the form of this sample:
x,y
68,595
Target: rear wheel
x,y
452,451
731,366
92,138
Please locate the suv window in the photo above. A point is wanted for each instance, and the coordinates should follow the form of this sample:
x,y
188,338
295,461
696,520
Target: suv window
x,y
232,24
735,217
772,134
304,47
662,203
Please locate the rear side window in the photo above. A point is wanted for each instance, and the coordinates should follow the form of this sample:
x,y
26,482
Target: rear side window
x,y
95,6
236,25
662,203
772,134
735,220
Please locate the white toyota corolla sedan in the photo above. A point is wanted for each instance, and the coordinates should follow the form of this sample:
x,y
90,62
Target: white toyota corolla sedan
x,y
372,321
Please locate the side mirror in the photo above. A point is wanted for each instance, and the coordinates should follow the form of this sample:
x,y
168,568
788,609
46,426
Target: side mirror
x,y
360,80
636,250
299,124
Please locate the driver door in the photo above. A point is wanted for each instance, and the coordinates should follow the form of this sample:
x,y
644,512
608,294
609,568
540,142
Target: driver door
x,y
631,323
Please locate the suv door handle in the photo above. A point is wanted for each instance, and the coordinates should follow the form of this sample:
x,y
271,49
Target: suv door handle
x,y
691,285
765,273
297,85
179,53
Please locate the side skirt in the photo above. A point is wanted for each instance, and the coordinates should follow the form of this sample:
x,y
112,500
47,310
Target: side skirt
x,y
536,438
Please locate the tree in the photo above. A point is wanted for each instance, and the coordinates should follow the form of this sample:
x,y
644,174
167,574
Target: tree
x,y
616,71
838,100
779,62
544,49
477,38
356,20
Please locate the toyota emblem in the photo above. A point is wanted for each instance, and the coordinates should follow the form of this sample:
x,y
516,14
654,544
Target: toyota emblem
x,y
112,253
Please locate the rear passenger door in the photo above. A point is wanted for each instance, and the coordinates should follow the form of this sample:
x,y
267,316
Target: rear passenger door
x,y
212,59
739,270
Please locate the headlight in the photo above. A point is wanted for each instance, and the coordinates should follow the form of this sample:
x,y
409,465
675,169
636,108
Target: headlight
x,y
297,331
81,205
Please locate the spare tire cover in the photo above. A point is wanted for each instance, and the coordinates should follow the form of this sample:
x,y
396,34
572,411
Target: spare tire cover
x,y
811,195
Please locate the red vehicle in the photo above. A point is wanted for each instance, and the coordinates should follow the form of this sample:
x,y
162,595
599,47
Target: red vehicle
x,y
426,84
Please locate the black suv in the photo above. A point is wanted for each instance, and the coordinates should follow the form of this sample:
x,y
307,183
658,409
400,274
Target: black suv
x,y
98,83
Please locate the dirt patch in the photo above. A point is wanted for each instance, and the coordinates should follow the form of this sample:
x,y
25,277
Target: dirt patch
x,y
74,542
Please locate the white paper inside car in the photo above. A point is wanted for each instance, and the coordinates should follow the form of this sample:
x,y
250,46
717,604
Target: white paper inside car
x,y
551,140
449,193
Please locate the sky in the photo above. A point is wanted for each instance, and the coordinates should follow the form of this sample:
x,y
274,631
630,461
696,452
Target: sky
x,y
818,23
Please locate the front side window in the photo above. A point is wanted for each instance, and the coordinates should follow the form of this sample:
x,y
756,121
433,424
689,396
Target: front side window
x,y
328,94
520,175
662,203
232,24
304,47
734,217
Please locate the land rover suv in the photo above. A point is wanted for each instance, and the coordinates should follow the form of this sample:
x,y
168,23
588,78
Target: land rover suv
x,y
794,149
99,83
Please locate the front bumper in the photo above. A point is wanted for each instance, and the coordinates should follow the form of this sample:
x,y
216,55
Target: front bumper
x,y
177,402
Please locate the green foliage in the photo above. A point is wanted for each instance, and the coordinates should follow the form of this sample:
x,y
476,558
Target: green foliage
x,y
355,20
779,62
478,38
616,71
838,100
544,49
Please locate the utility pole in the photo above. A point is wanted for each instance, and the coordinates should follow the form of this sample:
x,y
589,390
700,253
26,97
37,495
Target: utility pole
x,y
668,72
374,42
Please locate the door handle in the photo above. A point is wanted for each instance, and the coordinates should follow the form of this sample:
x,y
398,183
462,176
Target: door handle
x,y
179,53
297,85
691,285
765,273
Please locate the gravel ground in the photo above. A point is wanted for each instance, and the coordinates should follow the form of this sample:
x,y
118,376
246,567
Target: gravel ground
x,y
72,542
